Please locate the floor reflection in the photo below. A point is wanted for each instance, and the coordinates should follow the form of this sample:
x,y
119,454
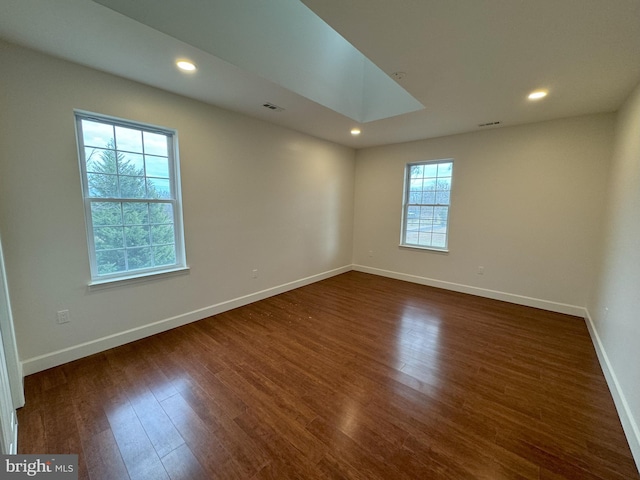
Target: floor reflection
x,y
349,418
418,344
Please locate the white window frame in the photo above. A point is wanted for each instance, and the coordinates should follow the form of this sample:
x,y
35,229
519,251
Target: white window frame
x,y
406,205
175,199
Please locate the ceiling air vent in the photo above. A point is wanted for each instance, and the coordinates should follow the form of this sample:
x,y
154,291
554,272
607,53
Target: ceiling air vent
x,y
273,107
488,124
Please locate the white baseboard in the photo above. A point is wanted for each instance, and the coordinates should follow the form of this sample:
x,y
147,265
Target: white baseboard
x,y
59,357
627,419
480,292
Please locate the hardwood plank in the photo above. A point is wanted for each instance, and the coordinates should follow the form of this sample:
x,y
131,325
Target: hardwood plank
x,y
201,439
181,464
285,460
103,458
132,377
355,377
31,430
137,451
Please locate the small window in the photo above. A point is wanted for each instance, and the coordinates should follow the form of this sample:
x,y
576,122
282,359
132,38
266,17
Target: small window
x,y
427,197
132,202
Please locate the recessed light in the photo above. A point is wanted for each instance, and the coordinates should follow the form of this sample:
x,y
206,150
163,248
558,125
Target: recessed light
x,y
186,65
355,131
538,94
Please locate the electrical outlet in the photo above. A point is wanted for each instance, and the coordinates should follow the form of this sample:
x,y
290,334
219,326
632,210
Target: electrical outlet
x,y
63,316
480,270
254,273
371,253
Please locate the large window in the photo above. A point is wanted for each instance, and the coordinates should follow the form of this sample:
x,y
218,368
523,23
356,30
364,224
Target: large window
x,y
131,187
427,196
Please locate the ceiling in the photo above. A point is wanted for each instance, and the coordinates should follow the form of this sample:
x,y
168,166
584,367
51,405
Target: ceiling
x,y
468,62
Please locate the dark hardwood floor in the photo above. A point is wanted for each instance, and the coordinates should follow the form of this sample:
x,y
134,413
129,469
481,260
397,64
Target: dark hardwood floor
x,y
356,377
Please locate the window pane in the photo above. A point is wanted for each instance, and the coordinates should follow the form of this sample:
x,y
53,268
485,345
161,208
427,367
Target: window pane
x,y
139,257
430,184
426,214
155,144
107,238
135,213
412,238
157,166
438,240
132,187
110,261
100,160
128,139
161,212
424,239
441,215
431,170
413,226
137,235
106,213
130,164
161,234
444,183
106,161
428,198
95,134
442,198
416,171
416,185
164,255
103,186
444,169
158,188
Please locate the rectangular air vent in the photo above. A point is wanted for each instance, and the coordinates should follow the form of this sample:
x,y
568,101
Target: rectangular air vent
x,y
488,124
273,107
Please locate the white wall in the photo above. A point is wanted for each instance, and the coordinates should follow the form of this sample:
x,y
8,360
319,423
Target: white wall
x,y
255,196
526,204
615,307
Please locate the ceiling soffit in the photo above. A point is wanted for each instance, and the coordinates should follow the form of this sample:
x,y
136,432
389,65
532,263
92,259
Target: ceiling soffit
x,y
284,42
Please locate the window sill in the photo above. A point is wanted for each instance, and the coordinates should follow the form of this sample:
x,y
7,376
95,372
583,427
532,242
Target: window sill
x,y
142,278
430,249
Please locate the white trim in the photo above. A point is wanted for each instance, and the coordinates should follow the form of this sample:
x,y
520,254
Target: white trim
x,y
59,357
429,249
480,292
13,449
629,424
8,336
144,277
